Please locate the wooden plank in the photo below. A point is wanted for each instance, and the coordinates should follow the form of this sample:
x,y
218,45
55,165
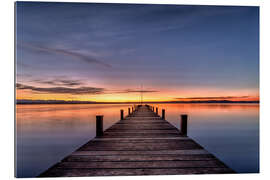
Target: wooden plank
x,y
140,164
147,116
145,124
190,151
159,157
141,128
142,138
128,131
139,148
156,122
132,172
143,134
113,146
149,135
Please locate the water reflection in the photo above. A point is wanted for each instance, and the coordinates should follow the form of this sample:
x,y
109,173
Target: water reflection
x,y
47,133
229,131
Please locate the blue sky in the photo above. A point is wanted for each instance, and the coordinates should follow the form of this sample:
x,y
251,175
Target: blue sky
x,y
167,48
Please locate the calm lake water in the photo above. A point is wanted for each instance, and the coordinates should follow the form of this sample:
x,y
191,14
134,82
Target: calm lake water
x,y
48,133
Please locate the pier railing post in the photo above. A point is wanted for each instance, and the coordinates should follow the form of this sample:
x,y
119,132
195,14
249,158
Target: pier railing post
x,y
128,111
157,111
163,113
99,125
122,114
184,118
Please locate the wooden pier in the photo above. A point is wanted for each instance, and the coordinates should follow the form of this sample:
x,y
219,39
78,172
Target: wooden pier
x,y
142,143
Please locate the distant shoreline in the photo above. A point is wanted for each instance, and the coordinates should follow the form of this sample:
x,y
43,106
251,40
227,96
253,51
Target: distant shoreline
x,y
149,102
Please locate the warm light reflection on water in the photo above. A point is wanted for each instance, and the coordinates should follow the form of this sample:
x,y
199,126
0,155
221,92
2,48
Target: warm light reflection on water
x,y
47,133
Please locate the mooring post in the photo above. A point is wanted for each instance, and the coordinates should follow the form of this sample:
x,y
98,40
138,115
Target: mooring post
x,y
157,111
163,113
131,109
122,114
128,111
99,125
183,127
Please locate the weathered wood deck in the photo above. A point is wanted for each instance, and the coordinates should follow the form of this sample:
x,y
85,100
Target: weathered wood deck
x,y
140,144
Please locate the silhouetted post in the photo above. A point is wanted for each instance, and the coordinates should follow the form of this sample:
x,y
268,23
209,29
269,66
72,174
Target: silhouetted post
x,y
128,111
153,109
163,113
183,128
99,125
122,114
157,111
132,109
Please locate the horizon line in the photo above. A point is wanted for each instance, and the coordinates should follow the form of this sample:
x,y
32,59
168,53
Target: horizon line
x,y
26,101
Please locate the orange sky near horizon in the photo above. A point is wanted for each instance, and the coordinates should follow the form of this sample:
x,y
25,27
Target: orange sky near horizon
x,y
169,95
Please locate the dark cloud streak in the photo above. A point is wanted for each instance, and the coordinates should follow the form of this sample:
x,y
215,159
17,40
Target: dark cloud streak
x,y
85,58
60,82
62,90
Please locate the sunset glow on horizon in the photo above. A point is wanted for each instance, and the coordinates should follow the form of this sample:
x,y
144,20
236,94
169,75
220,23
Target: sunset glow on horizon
x,y
106,52
132,97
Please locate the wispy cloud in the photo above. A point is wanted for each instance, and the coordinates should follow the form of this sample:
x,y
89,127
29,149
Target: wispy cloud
x,y
62,90
130,91
65,52
139,91
60,82
214,98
